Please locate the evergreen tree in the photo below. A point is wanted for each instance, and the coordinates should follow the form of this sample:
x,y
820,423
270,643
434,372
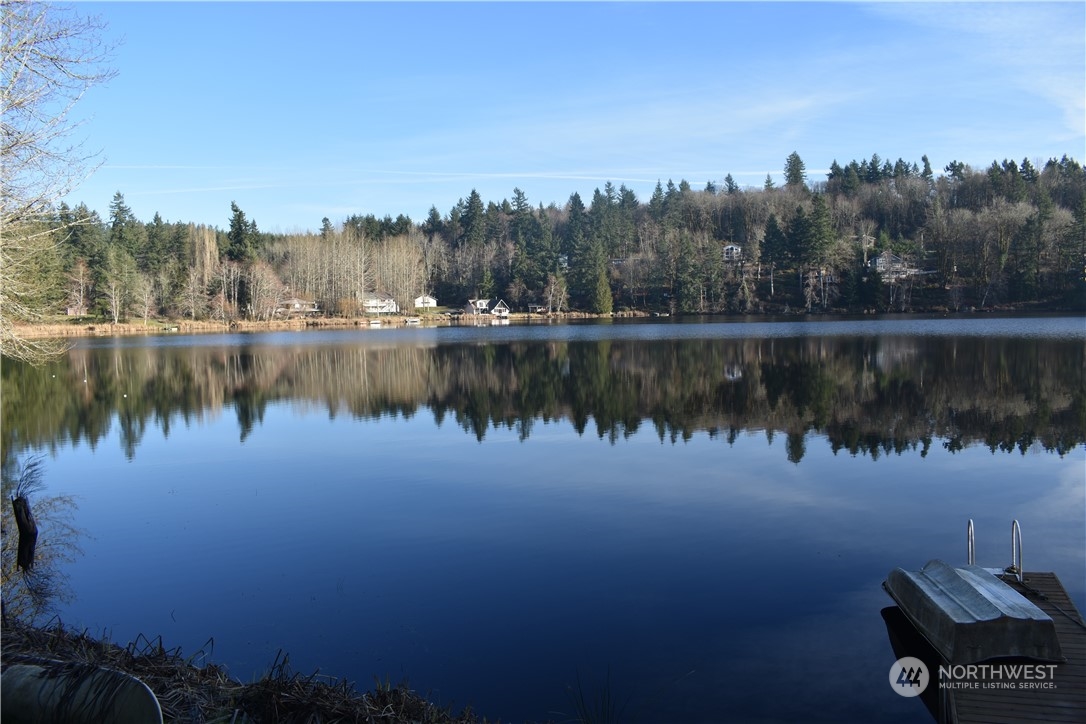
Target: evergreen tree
x,y
774,248
800,238
795,172
486,285
243,238
125,231
688,283
656,204
821,228
853,179
835,178
874,169
672,206
548,248
927,174
156,253
576,227
602,302
775,242
86,234
433,225
473,221
497,224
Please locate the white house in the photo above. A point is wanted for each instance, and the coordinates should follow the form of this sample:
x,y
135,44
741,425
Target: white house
x,y
380,304
491,307
475,307
733,252
425,302
891,266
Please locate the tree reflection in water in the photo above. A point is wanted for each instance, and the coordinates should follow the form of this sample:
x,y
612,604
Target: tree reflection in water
x,y
866,395
31,561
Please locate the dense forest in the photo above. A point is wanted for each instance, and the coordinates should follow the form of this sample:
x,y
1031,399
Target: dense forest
x,y
874,236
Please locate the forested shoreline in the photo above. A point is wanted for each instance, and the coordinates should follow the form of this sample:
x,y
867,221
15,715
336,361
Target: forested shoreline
x,y
875,236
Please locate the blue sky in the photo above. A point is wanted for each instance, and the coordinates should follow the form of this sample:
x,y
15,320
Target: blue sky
x,y
299,111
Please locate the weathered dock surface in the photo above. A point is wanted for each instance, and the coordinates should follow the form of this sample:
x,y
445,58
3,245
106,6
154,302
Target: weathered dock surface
x,y
1065,702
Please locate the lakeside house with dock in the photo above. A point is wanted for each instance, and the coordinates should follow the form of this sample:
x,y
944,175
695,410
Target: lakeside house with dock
x,y
495,308
380,303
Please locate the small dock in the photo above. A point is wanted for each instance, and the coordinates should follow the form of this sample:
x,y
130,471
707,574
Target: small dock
x,y
1062,700
1066,701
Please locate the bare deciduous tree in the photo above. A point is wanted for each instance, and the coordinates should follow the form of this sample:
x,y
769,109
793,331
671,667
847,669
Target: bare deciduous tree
x,y
79,283
266,291
143,295
194,294
50,57
556,293
229,273
118,286
400,268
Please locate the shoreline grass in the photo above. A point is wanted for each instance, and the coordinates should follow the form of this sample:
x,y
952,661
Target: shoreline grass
x,y
191,689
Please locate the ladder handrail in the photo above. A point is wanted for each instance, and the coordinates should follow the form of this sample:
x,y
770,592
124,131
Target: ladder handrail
x,y
1016,550
1015,568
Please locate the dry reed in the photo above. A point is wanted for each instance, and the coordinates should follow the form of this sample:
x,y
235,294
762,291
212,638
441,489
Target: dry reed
x,y
191,690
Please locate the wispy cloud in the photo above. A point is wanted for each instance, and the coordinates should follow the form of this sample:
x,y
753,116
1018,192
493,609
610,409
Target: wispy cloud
x,y
1041,47
208,189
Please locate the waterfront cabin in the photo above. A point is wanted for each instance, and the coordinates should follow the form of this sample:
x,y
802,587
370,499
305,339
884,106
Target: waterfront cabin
x,y
487,307
380,303
890,266
477,307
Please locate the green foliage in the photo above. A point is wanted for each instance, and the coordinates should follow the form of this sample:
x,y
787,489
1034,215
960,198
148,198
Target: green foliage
x,y
603,302
473,221
795,171
243,238
1012,233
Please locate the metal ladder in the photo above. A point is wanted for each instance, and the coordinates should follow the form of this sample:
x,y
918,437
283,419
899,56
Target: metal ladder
x,y
1015,568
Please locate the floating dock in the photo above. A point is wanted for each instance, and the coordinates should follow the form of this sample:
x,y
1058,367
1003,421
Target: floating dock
x,y
1059,697
1066,701
992,656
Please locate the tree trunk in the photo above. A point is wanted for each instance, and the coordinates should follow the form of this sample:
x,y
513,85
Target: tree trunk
x,y
28,533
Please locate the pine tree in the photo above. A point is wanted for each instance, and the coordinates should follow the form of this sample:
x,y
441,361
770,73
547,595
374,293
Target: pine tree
x,y
125,231
795,172
656,203
473,221
603,302
242,238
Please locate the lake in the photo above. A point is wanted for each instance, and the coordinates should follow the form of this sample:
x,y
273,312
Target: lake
x,y
692,516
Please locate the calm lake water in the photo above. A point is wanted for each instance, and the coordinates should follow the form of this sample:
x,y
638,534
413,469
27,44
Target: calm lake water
x,y
694,517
